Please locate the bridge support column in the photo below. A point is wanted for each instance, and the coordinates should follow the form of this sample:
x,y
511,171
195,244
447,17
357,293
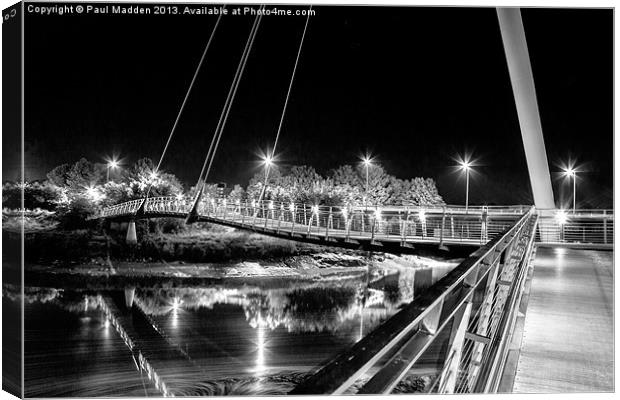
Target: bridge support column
x,y
522,79
132,237
129,296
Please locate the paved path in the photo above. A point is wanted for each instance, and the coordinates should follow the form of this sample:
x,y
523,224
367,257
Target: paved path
x,y
568,342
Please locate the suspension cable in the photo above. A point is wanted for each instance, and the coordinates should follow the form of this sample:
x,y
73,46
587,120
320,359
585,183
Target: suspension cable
x,y
233,97
227,106
189,89
288,94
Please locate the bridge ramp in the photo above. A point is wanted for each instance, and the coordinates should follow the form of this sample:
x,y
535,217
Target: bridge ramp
x,y
568,342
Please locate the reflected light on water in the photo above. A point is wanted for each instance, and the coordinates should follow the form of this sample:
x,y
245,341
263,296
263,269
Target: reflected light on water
x,y
260,353
361,333
176,303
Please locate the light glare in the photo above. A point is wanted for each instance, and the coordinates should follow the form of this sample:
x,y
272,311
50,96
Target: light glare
x,y
561,216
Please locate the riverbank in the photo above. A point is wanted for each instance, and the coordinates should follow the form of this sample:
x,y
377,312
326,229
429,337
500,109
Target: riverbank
x,y
196,244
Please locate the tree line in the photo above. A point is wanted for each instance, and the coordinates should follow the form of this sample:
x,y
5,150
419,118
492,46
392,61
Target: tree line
x,y
76,191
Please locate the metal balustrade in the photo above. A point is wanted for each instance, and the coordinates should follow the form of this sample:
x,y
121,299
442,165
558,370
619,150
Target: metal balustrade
x,y
578,228
460,327
404,224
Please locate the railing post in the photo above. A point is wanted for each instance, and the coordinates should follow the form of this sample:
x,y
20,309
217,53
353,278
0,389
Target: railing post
x,y
452,225
443,226
280,217
363,218
305,219
243,211
484,225
484,319
347,224
372,228
329,220
402,230
605,226
449,376
310,221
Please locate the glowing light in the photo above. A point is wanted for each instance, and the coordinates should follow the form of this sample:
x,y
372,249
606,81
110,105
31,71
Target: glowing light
x,y
179,196
315,209
571,172
268,160
153,176
291,207
260,353
378,213
422,215
237,202
176,303
253,203
367,160
106,324
561,217
465,165
344,212
94,194
113,164
271,205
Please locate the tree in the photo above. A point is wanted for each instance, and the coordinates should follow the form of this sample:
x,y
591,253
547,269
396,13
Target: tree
x,y
346,175
84,174
255,186
58,176
236,194
142,175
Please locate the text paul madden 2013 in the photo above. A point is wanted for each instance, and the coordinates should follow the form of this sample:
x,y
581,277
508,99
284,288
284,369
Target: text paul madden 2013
x,y
164,9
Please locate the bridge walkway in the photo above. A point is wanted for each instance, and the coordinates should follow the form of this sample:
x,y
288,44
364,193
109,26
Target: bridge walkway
x,y
568,340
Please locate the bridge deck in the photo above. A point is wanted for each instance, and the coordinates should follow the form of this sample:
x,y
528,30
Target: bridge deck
x,y
568,334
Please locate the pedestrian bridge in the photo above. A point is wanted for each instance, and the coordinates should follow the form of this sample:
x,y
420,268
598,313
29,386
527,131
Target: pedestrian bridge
x,y
388,228
466,332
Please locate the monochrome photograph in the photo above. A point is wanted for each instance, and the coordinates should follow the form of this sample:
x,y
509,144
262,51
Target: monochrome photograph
x,y
226,199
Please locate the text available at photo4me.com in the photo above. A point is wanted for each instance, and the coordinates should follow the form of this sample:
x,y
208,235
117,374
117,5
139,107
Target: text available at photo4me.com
x,y
165,9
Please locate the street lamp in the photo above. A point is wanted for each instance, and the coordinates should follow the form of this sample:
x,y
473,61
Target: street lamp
x,y
572,173
112,164
367,163
466,166
268,162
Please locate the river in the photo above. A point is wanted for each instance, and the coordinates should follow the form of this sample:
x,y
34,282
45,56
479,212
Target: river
x,y
231,337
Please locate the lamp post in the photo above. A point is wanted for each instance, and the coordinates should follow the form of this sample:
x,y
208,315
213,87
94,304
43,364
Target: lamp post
x,y
367,163
268,161
466,166
572,173
112,164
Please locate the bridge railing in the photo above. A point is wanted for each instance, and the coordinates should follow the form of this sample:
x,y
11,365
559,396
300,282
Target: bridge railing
x,y
126,208
396,223
579,227
459,328
375,223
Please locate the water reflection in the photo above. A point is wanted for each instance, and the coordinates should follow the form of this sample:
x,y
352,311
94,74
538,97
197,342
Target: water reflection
x,y
223,339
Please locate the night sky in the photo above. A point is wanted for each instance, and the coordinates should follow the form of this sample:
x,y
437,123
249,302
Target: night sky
x,y
413,86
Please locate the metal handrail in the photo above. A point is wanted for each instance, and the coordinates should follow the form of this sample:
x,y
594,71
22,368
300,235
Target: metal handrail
x,y
403,223
405,336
